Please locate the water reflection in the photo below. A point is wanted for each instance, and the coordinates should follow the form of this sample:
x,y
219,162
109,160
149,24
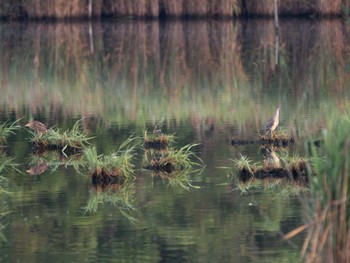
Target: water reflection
x,y
208,81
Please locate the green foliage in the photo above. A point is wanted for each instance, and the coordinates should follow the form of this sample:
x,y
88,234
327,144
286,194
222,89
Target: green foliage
x,y
244,163
183,158
7,129
329,229
121,159
74,138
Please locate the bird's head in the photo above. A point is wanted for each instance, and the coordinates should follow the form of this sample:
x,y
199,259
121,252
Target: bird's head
x,y
29,124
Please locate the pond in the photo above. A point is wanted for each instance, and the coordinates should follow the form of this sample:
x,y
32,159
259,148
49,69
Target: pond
x,y
206,82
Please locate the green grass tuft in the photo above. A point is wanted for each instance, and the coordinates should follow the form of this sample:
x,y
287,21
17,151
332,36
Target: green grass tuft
x,y
7,129
116,164
73,138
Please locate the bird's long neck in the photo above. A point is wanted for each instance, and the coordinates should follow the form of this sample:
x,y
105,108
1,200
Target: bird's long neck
x,y
277,113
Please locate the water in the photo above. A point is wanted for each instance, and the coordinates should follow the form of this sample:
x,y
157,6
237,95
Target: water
x,y
205,81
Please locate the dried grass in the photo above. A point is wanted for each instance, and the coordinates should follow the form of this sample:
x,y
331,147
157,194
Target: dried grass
x,y
61,9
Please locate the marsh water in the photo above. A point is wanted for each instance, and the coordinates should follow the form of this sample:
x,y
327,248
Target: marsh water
x,y
206,82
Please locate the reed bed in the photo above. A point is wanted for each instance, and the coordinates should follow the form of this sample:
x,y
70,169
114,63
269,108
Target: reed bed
x,y
328,227
167,77
59,9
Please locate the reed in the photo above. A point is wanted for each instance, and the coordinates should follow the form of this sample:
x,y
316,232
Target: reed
x,y
328,229
59,9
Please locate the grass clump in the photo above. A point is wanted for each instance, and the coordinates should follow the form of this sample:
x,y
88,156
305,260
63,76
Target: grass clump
x,y
7,129
157,140
245,168
69,142
293,168
105,168
328,228
299,167
279,136
174,159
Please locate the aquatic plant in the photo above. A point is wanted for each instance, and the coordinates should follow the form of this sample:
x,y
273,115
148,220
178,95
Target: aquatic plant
x,y
328,228
180,8
280,135
116,164
157,140
8,128
244,167
174,159
298,166
70,141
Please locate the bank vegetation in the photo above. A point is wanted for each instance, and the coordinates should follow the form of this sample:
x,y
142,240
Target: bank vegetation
x,y
61,9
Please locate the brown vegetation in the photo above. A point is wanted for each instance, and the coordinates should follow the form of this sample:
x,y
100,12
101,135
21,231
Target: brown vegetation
x,y
102,176
60,9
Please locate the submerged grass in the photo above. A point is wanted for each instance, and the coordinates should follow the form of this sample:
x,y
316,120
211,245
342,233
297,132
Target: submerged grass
x,y
328,229
116,164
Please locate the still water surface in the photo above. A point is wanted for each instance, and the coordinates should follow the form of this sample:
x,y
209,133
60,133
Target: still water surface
x,y
205,81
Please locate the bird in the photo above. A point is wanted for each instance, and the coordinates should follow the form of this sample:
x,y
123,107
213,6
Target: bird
x,y
272,124
37,126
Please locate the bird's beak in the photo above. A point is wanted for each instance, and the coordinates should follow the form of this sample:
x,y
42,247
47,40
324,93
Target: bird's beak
x,y
27,125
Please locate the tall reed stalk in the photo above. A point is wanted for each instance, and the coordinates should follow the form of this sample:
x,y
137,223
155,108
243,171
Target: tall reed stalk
x,y
328,235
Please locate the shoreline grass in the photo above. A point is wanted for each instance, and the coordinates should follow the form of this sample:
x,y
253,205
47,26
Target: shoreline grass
x,y
328,227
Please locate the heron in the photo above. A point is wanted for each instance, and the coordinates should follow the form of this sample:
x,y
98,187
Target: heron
x,y
272,124
37,126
